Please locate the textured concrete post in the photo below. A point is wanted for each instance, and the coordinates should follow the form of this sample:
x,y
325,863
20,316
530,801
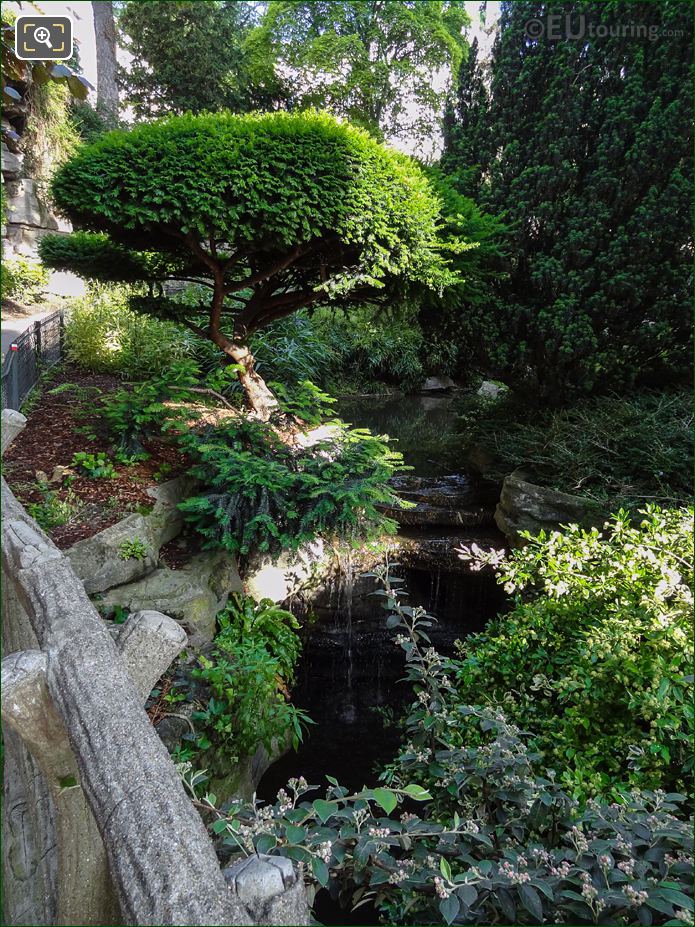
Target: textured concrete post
x,y
148,641
12,423
83,888
269,889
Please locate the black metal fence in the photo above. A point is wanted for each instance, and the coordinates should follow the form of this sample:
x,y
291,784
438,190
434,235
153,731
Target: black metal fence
x,y
36,349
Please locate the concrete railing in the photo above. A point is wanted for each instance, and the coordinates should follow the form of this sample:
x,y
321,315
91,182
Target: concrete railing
x,y
97,826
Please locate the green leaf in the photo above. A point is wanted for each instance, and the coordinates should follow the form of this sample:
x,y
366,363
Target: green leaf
x,y
386,798
266,842
531,900
677,897
324,809
449,908
295,834
320,870
417,793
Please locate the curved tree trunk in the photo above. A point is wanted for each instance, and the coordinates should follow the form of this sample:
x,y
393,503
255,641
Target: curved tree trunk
x,y
105,39
261,399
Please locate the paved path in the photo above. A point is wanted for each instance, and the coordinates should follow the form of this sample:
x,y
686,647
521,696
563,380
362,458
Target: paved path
x,y
13,328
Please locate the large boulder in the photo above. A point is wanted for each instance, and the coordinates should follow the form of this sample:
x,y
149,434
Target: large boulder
x,y
102,561
524,506
491,389
192,595
437,385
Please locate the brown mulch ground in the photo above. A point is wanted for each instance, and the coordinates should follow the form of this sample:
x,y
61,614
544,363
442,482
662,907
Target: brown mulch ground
x,y
178,552
51,438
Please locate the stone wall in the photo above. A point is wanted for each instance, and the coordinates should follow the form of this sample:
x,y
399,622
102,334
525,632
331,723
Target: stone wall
x,y
28,217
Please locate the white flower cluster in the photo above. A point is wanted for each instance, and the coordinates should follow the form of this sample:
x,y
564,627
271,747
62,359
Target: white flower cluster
x,y
440,888
324,851
580,842
298,785
512,873
634,896
590,893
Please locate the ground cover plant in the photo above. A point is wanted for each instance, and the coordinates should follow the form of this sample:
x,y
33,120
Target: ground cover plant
x,y
617,451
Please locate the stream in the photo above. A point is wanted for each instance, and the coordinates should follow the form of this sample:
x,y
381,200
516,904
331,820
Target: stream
x,y
349,672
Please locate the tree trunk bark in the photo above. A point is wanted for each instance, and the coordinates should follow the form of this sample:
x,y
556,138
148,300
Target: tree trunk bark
x,y
261,399
105,39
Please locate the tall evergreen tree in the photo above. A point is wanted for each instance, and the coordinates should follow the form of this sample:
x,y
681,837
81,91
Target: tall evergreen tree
x,y
188,55
583,145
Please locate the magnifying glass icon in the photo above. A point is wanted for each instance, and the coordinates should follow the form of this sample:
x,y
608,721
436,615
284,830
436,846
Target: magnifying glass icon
x,y
43,35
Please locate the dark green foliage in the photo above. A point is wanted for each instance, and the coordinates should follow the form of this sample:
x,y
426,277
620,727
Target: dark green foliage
x,y
258,492
292,350
486,837
370,62
305,401
149,408
619,452
450,318
371,348
595,657
186,56
247,674
584,148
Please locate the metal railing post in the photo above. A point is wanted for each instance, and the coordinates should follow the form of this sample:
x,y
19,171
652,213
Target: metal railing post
x,y
37,339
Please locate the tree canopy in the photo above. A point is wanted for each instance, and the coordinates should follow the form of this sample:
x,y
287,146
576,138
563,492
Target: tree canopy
x,y
187,56
270,213
585,149
374,62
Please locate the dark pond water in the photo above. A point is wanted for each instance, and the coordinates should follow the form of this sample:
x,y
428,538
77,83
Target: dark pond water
x,y
349,673
422,426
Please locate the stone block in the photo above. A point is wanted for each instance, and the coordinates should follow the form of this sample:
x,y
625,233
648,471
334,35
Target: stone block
x,y
524,506
192,596
12,163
